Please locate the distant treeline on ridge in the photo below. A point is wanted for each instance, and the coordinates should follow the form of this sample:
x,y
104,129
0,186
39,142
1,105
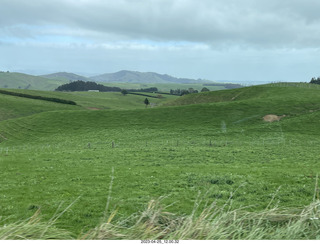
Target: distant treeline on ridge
x,y
86,86
90,85
315,80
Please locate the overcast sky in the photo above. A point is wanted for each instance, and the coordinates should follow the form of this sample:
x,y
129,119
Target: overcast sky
x,y
247,40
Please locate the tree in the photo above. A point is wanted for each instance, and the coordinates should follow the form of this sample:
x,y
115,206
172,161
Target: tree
x,y
184,92
191,90
124,92
315,81
205,89
146,102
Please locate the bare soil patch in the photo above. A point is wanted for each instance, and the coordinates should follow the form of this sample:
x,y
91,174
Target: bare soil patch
x,y
272,117
93,108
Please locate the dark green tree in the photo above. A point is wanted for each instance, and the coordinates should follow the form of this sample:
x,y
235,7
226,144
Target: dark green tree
x,y
85,86
205,89
146,102
315,80
124,92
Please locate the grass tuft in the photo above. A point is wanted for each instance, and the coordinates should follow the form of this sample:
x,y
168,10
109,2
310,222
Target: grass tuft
x,y
33,229
213,223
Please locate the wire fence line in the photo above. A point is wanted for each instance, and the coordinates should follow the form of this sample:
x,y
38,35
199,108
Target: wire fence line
x,y
294,84
156,144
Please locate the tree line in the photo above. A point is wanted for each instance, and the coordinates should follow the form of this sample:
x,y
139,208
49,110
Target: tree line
x,y
315,80
50,99
181,92
134,91
150,89
86,86
90,85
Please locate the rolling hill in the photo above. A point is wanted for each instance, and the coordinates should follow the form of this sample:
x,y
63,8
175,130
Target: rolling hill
x,y
64,76
142,77
17,106
270,92
126,78
24,81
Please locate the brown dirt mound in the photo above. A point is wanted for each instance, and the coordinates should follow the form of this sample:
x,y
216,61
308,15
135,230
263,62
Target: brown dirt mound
x,y
272,117
92,108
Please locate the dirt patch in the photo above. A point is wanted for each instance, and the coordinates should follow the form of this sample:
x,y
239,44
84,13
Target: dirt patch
x,y
92,108
272,117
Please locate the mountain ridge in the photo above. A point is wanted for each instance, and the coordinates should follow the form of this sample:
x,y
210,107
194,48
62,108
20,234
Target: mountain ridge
x,y
127,76
18,80
142,77
65,76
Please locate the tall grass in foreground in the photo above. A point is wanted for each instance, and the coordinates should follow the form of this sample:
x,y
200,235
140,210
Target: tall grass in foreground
x,y
213,223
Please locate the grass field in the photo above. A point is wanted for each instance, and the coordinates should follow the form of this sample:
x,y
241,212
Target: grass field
x,y
214,145
13,107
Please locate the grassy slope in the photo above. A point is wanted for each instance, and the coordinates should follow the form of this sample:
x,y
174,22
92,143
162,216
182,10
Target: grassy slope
x,y
19,80
278,92
57,156
13,107
64,76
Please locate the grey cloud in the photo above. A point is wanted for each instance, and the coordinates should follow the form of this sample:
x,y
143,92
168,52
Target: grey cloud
x,y
213,39
263,23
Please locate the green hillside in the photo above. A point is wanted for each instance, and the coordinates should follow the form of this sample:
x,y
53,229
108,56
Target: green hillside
x,y
24,81
276,91
142,77
13,106
65,77
189,155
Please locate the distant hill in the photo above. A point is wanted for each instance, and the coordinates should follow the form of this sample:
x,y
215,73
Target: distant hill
x,y
64,76
24,81
52,81
142,77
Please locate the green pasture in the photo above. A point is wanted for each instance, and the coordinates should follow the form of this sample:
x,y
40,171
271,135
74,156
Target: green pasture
x,y
216,149
13,107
